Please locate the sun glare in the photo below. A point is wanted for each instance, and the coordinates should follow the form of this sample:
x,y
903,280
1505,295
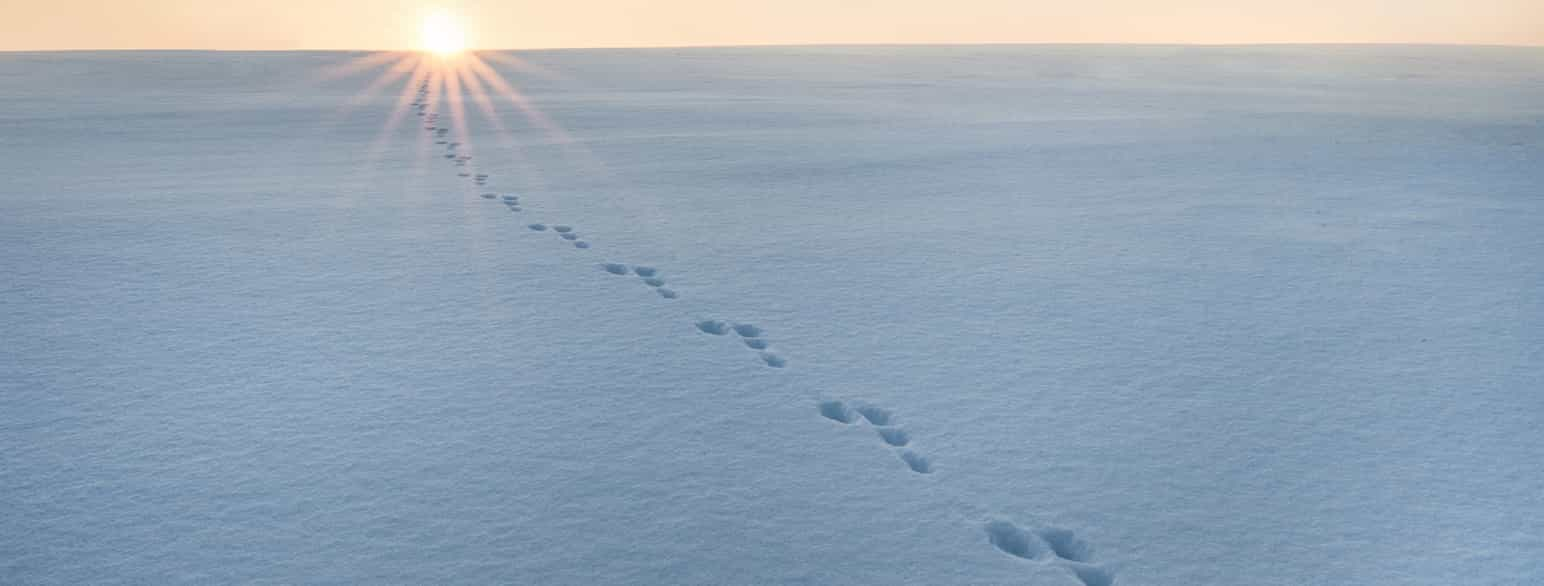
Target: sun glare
x,y
442,35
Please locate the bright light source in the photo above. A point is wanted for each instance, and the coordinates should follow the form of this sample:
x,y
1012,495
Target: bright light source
x,y
442,35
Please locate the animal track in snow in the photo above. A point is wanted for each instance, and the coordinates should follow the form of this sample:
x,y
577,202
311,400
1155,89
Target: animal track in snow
x,y
917,462
751,334
874,415
1049,544
1066,545
715,327
658,283
1092,575
884,423
1015,541
838,411
894,436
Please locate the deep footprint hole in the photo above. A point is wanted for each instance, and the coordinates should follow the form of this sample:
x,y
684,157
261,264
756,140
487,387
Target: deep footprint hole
x,y
715,327
645,271
837,411
773,360
747,331
1066,545
654,282
615,268
917,462
1092,575
1014,541
756,343
875,415
894,437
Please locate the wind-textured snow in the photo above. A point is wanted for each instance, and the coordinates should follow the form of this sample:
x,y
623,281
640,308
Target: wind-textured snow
x,y
955,315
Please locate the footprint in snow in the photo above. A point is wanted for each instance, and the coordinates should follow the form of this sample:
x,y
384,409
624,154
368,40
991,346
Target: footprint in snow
x,y
884,424
1050,544
750,334
711,326
773,360
649,275
1047,544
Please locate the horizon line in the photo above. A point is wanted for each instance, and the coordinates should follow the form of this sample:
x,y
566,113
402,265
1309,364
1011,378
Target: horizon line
x,y
793,45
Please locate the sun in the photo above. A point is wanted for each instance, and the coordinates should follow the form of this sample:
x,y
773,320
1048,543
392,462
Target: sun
x,y
442,35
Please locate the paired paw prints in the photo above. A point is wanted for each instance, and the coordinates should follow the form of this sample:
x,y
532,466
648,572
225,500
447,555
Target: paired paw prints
x,y
884,424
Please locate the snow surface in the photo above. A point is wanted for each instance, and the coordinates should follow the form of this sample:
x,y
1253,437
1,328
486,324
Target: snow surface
x,y
987,315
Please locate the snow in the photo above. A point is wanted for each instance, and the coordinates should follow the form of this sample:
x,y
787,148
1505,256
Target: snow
x,y
1039,314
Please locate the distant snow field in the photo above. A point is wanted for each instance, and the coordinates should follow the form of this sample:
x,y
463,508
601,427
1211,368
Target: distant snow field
x,y
1053,315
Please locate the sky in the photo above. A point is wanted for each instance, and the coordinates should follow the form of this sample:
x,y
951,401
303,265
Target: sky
x,y
518,24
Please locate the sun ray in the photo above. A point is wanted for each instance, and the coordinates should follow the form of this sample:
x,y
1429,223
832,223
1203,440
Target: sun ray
x,y
459,128
475,90
356,66
518,99
523,65
419,74
399,69
434,96
479,94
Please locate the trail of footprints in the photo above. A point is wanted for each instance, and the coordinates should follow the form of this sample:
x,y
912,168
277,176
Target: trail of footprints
x,y
749,334
1040,545
884,424
648,275
1050,545
1034,544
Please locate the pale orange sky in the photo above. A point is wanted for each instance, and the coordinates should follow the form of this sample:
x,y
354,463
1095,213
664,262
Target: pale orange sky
x,y
514,24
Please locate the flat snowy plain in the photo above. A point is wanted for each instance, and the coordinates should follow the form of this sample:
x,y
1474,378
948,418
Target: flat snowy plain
x,y
1063,316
